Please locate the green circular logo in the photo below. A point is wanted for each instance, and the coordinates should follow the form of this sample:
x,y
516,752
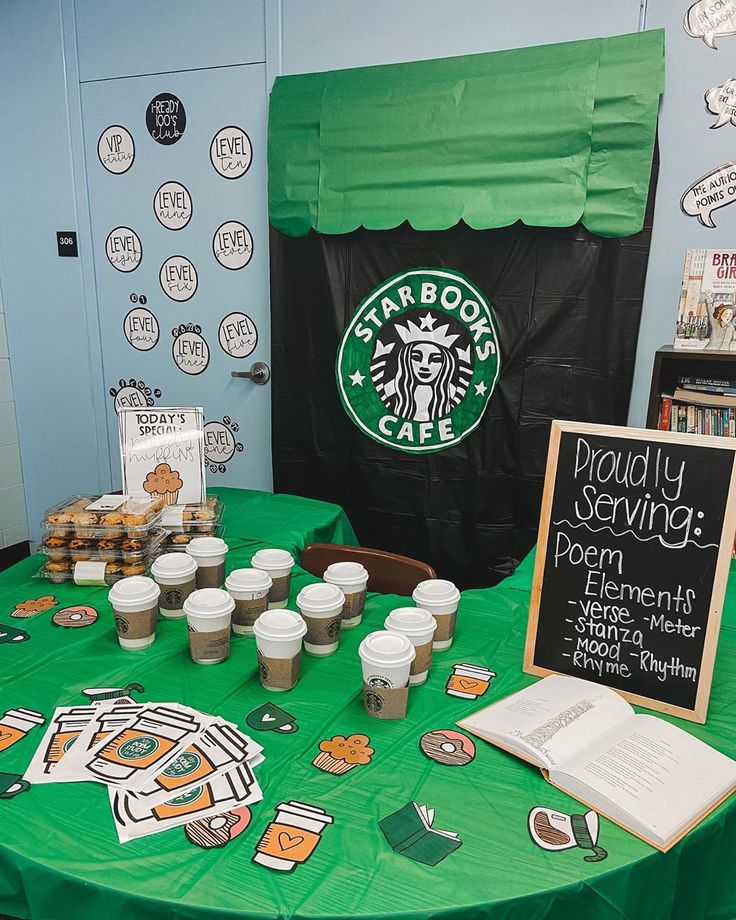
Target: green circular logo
x,y
184,764
137,748
187,798
418,361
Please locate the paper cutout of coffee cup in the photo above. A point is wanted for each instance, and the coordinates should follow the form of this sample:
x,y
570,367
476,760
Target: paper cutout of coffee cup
x,y
271,718
11,784
554,830
12,635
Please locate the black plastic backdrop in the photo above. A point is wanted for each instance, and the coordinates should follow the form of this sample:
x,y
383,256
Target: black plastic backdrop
x,y
567,305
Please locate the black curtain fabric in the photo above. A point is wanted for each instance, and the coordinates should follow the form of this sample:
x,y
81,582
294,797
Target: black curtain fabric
x,y
567,306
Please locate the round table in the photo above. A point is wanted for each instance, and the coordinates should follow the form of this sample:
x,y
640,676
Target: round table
x,y
59,853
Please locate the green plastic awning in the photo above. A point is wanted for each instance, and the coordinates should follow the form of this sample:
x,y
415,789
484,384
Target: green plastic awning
x,y
549,135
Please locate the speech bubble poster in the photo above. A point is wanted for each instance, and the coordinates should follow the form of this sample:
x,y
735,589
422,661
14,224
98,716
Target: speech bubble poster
x,y
714,190
162,453
711,19
721,101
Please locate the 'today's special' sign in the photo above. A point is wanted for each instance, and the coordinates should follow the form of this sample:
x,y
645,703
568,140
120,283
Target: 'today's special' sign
x,y
635,540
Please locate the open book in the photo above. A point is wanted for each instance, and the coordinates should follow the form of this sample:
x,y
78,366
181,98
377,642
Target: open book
x,y
641,772
409,831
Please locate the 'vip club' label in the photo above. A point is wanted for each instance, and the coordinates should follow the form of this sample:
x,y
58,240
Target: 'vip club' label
x,y
418,360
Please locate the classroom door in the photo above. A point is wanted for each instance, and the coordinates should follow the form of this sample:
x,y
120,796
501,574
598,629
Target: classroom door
x,y
176,168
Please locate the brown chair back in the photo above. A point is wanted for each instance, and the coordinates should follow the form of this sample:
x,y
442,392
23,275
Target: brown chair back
x,y
388,573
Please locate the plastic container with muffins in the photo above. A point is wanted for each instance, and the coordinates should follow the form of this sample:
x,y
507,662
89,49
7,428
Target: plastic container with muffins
x,y
196,517
179,539
89,517
123,549
92,572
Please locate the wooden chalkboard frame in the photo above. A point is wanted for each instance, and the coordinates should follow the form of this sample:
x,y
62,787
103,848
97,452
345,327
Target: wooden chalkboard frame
x,y
700,711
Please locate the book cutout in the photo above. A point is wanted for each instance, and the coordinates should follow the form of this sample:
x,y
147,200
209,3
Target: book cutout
x,y
635,540
342,753
447,747
552,830
292,837
33,607
271,718
639,771
705,311
218,831
409,831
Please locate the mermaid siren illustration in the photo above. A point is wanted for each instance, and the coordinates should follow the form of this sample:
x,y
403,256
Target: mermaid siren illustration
x,y
430,372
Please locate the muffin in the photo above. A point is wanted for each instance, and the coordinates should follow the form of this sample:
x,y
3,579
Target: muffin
x,y
58,572
340,754
113,523
113,573
178,539
80,550
163,483
134,568
56,548
107,550
85,524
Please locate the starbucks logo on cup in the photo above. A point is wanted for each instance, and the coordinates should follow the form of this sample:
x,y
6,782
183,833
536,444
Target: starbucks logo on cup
x,y
174,597
418,361
121,624
333,629
262,667
373,702
379,682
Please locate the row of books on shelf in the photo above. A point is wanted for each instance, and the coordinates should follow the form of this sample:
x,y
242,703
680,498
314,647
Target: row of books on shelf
x,y
700,405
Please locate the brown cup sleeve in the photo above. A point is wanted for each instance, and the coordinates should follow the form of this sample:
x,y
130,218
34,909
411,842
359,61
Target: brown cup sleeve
x,y
280,588
322,630
445,626
384,703
172,597
136,625
247,612
354,605
207,645
423,658
210,576
282,673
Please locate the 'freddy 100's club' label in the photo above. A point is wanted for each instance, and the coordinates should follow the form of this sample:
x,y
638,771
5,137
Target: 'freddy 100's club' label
x,y
418,360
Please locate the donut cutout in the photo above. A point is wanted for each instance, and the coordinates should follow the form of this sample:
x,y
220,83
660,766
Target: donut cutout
x,y
75,617
447,747
218,831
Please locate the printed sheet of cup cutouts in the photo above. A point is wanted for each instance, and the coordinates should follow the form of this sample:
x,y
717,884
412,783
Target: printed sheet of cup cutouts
x,y
165,764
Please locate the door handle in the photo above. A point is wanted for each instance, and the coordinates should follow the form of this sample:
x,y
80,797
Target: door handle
x,y
259,373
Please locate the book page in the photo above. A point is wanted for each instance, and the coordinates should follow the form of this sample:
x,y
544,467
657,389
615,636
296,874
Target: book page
x,y
649,775
551,720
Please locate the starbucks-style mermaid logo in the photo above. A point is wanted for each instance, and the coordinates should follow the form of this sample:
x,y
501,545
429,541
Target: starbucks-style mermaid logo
x,y
418,360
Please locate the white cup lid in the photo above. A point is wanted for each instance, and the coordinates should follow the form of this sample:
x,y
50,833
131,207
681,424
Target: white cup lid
x,y
345,573
209,602
386,648
435,591
315,598
272,559
133,592
174,564
279,624
206,547
248,580
410,621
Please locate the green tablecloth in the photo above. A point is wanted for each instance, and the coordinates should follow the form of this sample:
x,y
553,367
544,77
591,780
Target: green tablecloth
x,y
59,855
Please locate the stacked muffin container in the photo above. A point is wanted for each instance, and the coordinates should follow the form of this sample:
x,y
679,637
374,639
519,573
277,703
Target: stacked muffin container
x,y
183,523
101,539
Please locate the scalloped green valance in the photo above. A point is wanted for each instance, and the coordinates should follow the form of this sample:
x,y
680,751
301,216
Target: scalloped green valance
x,y
549,135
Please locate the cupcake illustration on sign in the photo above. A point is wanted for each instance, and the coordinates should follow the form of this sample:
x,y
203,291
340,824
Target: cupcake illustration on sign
x,y
418,361
220,444
172,205
231,152
232,245
163,483
116,150
190,351
178,278
123,249
341,754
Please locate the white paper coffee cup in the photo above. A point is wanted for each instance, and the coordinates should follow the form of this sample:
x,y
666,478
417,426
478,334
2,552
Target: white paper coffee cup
x,y
175,574
352,579
249,589
209,612
440,598
134,602
321,606
418,626
277,563
209,554
386,658
279,636
305,824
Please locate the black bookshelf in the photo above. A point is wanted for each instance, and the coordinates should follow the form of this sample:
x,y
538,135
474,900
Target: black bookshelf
x,y
670,363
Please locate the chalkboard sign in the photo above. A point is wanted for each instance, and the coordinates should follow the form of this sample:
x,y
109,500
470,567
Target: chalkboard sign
x,y
635,541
